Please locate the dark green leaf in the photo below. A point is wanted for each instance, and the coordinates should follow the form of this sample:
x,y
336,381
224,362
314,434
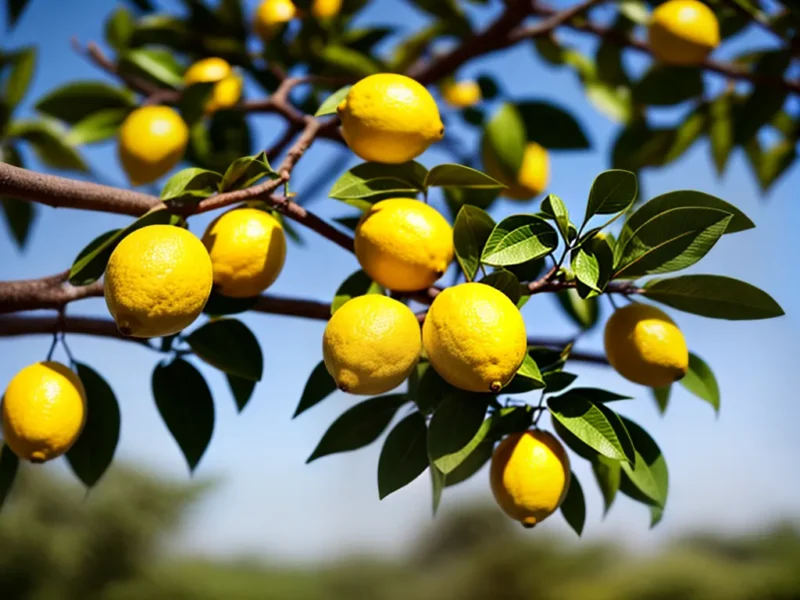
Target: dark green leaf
x,y
93,451
661,396
473,463
427,388
455,429
585,313
359,426
608,473
77,100
18,80
223,140
357,284
14,9
527,378
554,207
414,45
19,216
349,222
506,282
246,171
404,455
574,506
700,381
48,140
241,388
612,192
331,102
230,346
555,381
119,29
504,140
552,127
761,106
472,228
219,305
369,182
517,239
156,64
450,175
186,406
437,486
713,296
647,480
665,85
595,395
349,62
190,185
97,127
319,386
194,100
489,87
720,130
9,464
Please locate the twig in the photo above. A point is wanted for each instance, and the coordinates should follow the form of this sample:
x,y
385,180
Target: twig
x,y
25,325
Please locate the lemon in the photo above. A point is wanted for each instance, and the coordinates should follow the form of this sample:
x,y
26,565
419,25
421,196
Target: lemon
x,y
247,249
530,476
461,94
389,118
683,32
157,281
645,346
474,337
44,409
371,344
228,88
326,9
404,244
152,140
271,15
533,176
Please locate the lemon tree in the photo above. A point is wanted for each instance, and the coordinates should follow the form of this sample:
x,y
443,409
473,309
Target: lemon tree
x,y
430,325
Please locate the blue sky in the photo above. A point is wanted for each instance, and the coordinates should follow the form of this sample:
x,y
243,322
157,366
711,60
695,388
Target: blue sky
x,y
730,473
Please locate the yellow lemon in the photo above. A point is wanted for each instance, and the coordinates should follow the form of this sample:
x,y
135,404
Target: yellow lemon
x,y
326,9
371,344
645,346
389,118
247,249
404,244
228,88
461,94
157,281
152,140
683,32
474,337
533,176
530,476
44,409
271,15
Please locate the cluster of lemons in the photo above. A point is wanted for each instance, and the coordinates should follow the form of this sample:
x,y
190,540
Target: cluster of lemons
x,y
159,278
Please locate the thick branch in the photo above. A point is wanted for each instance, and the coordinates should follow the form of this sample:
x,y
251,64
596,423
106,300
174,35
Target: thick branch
x,y
25,325
49,292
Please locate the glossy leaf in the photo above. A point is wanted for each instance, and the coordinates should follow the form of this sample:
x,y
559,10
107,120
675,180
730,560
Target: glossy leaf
x,y
77,100
449,175
190,185
97,127
472,228
505,140
517,239
473,463
527,378
607,473
554,207
427,388
551,126
17,82
219,305
555,381
369,182
357,284
661,396
328,107
647,480
404,455
242,390
700,381
158,65
245,172
230,346
437,487
454,429
319,386
584,312
574,506
506,282
48,140
612,192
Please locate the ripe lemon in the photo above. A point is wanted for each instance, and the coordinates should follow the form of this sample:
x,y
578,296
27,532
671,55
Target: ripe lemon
x,y
152,140
247,249
530,476
44,409
533,176
683,32
371,344
228,88
389,118
157,281
461,94
474,337
645,346
404,244
271,15
326,9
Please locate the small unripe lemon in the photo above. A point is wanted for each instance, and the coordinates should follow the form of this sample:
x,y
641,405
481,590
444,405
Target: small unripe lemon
x,y
247,249
645,346
152,140
533,175
44,409
157,281
461,94
389,118
371,344
228,88
404,244
474,337
683,32
326,9
530,476
271,15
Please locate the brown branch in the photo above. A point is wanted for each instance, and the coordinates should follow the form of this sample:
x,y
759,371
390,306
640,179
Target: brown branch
x,y
293,307
26,325
555,344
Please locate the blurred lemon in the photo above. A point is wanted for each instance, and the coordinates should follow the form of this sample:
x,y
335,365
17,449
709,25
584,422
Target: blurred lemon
x,y
533,175
228,88
44,409
683,32
326,9
461,94
389,118
271,15
157,281
152,140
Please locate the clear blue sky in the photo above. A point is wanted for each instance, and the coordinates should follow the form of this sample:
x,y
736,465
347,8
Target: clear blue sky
x,y
731,473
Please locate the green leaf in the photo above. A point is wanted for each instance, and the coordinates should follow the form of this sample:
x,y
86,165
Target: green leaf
x,y
506,282
14,9
473,463
437,487
119,29
48,141
720,130
186,407
190,185
369,182
700,381
456,428
357,284
472,228
328,107
427,388
647,480
527,378
592,423
504,140
404,455
555,381
97,127
608,473
156,64
585,313
595,395
554,207
246,171
612,101
91,262
774,162
319,386
230,346
9,464
517,239
216,142
92,453
219,305
586,269
77,100
574,506
661,396
612,192
359,426
242,390
665,85
450,175
194,100
552,127
19,216
18,80
349,62
713,296
414,45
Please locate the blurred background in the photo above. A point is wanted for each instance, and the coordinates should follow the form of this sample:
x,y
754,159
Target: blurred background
x,y
256,522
